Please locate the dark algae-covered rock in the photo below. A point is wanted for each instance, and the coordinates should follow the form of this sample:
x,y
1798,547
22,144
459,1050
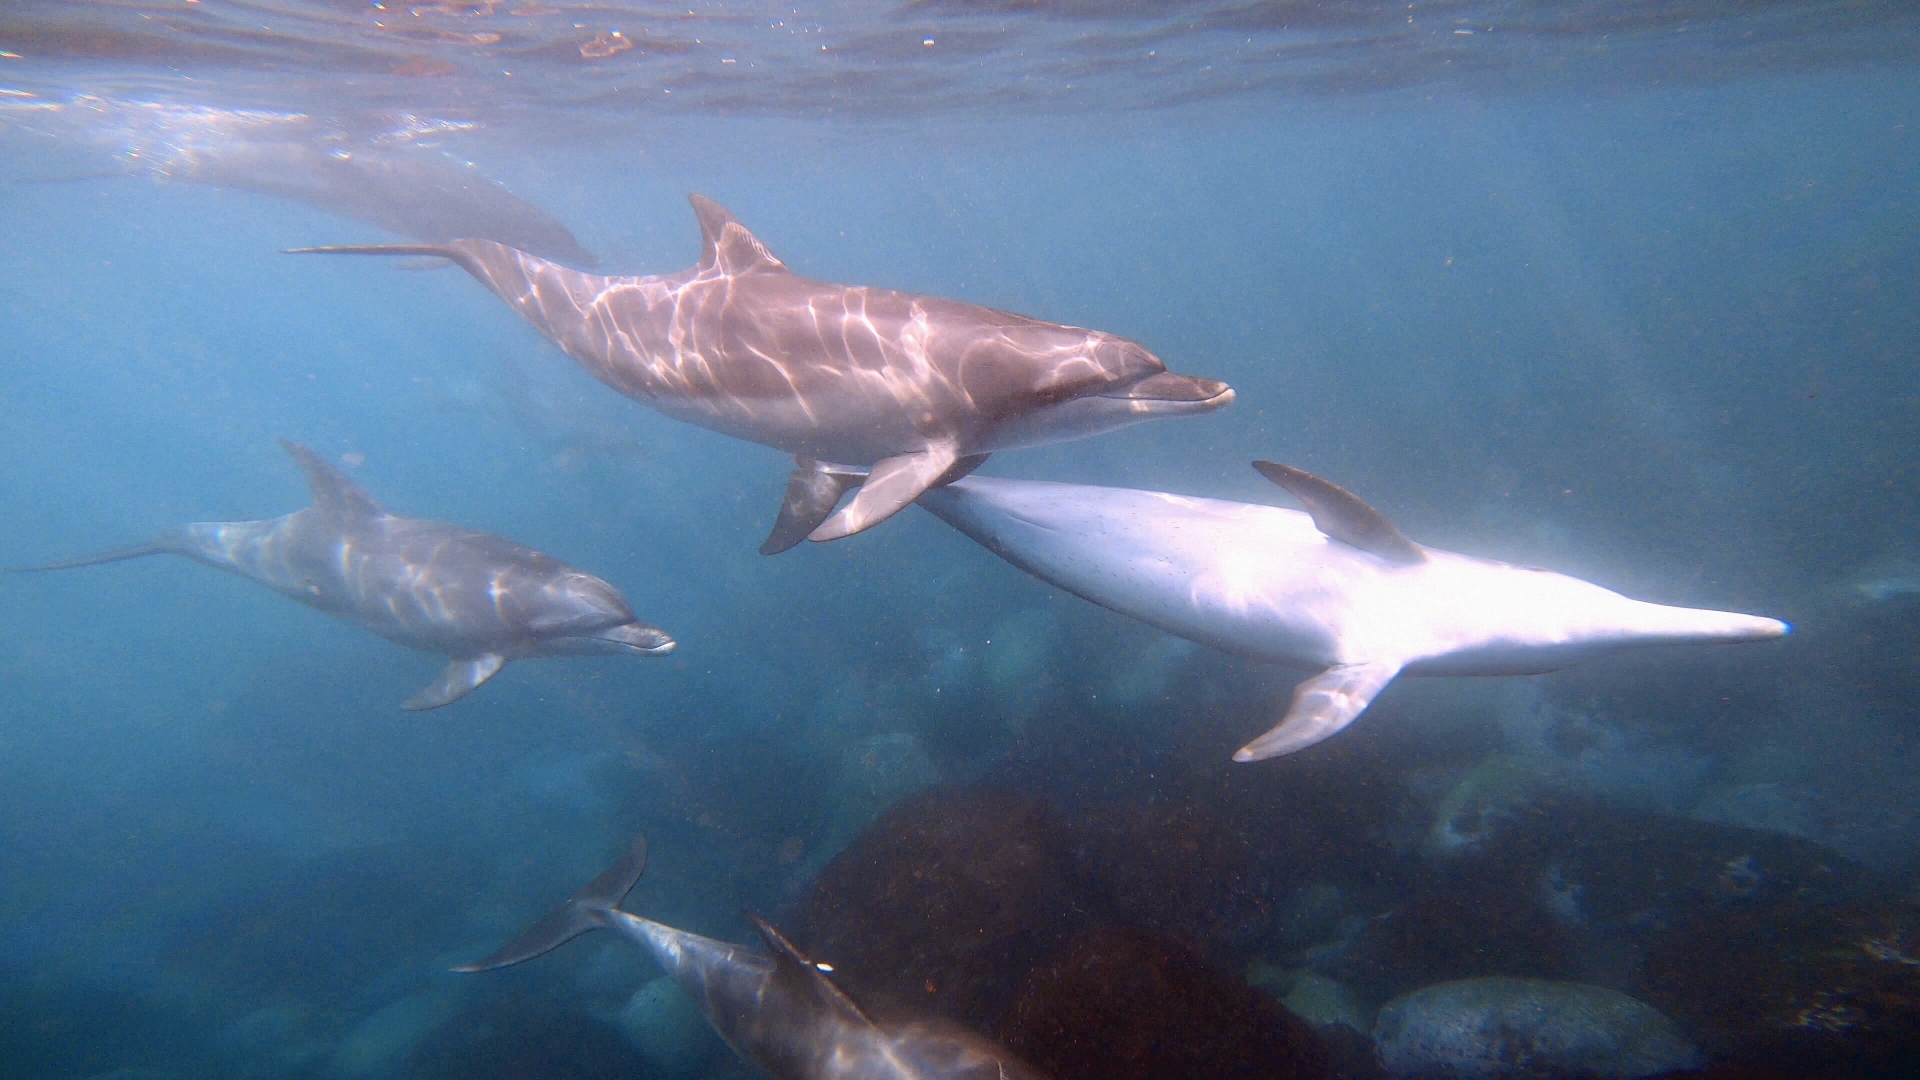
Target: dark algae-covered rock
x,y
944,903
1823,991
1121,1004
1518,1029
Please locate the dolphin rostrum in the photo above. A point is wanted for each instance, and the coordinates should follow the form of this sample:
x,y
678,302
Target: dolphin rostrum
x,y
1337,589
919,388
777,1009
440,588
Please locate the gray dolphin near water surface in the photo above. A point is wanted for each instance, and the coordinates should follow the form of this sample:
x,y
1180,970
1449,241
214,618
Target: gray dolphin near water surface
x,y
439,588
776,1009
919,388
389,178
1337,589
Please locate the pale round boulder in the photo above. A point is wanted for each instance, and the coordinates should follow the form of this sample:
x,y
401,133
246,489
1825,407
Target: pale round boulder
x,y
1496,1029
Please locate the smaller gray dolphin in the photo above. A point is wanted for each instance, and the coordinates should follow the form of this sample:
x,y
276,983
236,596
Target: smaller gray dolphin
x,y
439,588
1337,589
777,1009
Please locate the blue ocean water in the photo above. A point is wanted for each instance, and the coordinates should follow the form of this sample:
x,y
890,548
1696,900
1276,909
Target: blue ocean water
x,y
1631,307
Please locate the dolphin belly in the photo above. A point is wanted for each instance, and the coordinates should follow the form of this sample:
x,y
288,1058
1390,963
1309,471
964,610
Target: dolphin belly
x,y
1239,578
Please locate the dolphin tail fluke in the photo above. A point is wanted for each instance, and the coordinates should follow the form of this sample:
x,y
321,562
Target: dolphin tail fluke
x,y
585,911
457,680
813,491
890,487
134,551
1322,706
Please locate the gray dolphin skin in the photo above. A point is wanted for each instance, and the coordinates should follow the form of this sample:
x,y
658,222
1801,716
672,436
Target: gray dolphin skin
x,y
919,388
1337,589
777,1009
472,596
391,178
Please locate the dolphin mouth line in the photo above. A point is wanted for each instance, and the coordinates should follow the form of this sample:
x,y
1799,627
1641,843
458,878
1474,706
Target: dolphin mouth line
x,y
1167,392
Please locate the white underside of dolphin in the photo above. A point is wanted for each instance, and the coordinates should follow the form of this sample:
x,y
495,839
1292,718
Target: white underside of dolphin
x,y
1338,589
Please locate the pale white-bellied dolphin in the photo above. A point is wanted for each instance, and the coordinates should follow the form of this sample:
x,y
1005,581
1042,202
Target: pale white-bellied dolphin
x,y
917,387
777,1009
1337,589
439,588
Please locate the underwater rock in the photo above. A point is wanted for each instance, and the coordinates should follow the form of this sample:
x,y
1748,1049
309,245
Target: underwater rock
x,y
1821,990
1489,1029
943,905
379,1045
1174,866
1469,817
1121,1004
875,772
1310,996
1572,889
1773,807
325,929
1478,921
666,1027
521,1037
271,1042
1322,1002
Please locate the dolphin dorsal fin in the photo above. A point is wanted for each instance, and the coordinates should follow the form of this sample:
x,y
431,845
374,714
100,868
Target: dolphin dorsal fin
x,y
727,246
1344,516
333,494
804,978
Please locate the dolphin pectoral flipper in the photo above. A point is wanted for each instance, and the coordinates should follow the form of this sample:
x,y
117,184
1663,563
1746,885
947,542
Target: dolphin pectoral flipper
x,y
891,486
585,911
813,491
1344,516
456,681
1322,706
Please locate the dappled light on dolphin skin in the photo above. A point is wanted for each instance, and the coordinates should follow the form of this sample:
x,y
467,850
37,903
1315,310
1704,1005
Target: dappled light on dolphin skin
x,y
908,389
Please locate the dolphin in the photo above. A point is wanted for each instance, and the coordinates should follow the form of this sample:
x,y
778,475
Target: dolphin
x,y
1336,589
777,1009
384,178
919,388
439,588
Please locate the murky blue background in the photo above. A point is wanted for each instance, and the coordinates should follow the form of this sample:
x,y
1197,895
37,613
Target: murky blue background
x,y
1660,336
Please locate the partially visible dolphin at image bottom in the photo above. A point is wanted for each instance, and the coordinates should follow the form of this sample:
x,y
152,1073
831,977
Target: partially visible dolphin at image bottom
x,y
920,388
439,588
778,1009
1337,589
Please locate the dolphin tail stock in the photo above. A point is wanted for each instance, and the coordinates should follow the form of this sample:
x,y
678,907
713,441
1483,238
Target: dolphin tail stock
x,y
133,551
1322,705
587,910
